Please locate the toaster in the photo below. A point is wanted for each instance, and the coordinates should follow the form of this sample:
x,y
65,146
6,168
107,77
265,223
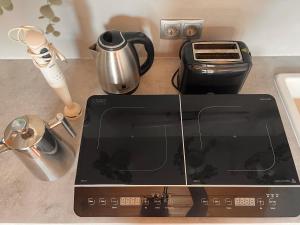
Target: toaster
x,y
219,67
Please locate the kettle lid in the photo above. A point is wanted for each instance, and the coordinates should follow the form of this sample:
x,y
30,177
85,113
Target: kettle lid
x,y
111,40
24,132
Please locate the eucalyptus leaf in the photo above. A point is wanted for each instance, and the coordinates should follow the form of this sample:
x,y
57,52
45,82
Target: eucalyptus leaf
x,y
10,8
56,33
56,2
6,4
55,19
49,29
1,11
47,11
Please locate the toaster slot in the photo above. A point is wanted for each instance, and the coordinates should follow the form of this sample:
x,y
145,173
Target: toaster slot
x,y
213,56
217,52
215,46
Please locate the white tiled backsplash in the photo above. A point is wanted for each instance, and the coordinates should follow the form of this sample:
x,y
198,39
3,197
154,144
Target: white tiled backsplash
x,y
269,27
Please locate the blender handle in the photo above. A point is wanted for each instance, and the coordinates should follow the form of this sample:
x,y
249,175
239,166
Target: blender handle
x,y
3,147
140,38
60,119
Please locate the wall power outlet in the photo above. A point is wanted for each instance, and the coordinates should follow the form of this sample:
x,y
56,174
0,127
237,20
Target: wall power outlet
x,y
181,28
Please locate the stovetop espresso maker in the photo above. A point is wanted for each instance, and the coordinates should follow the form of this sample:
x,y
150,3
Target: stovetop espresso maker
x,y
38,146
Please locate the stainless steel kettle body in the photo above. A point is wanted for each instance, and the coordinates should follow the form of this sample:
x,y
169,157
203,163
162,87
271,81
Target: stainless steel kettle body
x,y
117,61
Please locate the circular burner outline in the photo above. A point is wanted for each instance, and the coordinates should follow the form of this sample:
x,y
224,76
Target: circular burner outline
x,y
268,133
165,132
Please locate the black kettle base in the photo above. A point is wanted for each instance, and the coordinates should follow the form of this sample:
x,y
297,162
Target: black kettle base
x,y
128,93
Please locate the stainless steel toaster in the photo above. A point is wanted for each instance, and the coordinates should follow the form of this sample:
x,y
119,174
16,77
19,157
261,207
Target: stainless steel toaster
x,y
219,67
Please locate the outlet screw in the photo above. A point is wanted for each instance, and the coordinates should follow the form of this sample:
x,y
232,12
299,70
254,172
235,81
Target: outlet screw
x,y
172,31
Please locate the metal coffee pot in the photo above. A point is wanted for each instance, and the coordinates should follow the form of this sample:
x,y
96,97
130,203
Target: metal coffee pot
x,y
117,61
41,150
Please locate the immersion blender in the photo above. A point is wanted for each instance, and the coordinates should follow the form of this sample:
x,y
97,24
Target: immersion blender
x,y
44,56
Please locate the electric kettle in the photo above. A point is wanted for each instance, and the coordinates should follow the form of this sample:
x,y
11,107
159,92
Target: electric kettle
x,y
41,150
117,60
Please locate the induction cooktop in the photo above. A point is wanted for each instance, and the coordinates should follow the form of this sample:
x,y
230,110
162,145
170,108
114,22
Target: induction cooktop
x,y
195,155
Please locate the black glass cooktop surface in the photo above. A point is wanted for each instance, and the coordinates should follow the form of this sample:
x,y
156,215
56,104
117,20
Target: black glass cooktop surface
x,y
236,139
131,140
193,140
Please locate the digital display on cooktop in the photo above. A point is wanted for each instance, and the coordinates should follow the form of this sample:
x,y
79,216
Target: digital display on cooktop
x,y
184,140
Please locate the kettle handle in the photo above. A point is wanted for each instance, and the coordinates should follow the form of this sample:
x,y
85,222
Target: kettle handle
x,y
60,119
140,38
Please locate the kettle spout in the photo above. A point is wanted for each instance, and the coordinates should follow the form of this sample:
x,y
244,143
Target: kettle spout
x,y
93,50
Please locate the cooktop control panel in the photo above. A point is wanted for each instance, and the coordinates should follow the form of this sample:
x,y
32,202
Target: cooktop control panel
x,y
158,201
190,202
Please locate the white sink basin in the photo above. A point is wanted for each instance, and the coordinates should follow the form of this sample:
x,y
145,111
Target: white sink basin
x,y
288,85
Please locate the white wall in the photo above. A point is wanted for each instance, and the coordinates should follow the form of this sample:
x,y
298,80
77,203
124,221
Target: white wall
x,y
269,27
